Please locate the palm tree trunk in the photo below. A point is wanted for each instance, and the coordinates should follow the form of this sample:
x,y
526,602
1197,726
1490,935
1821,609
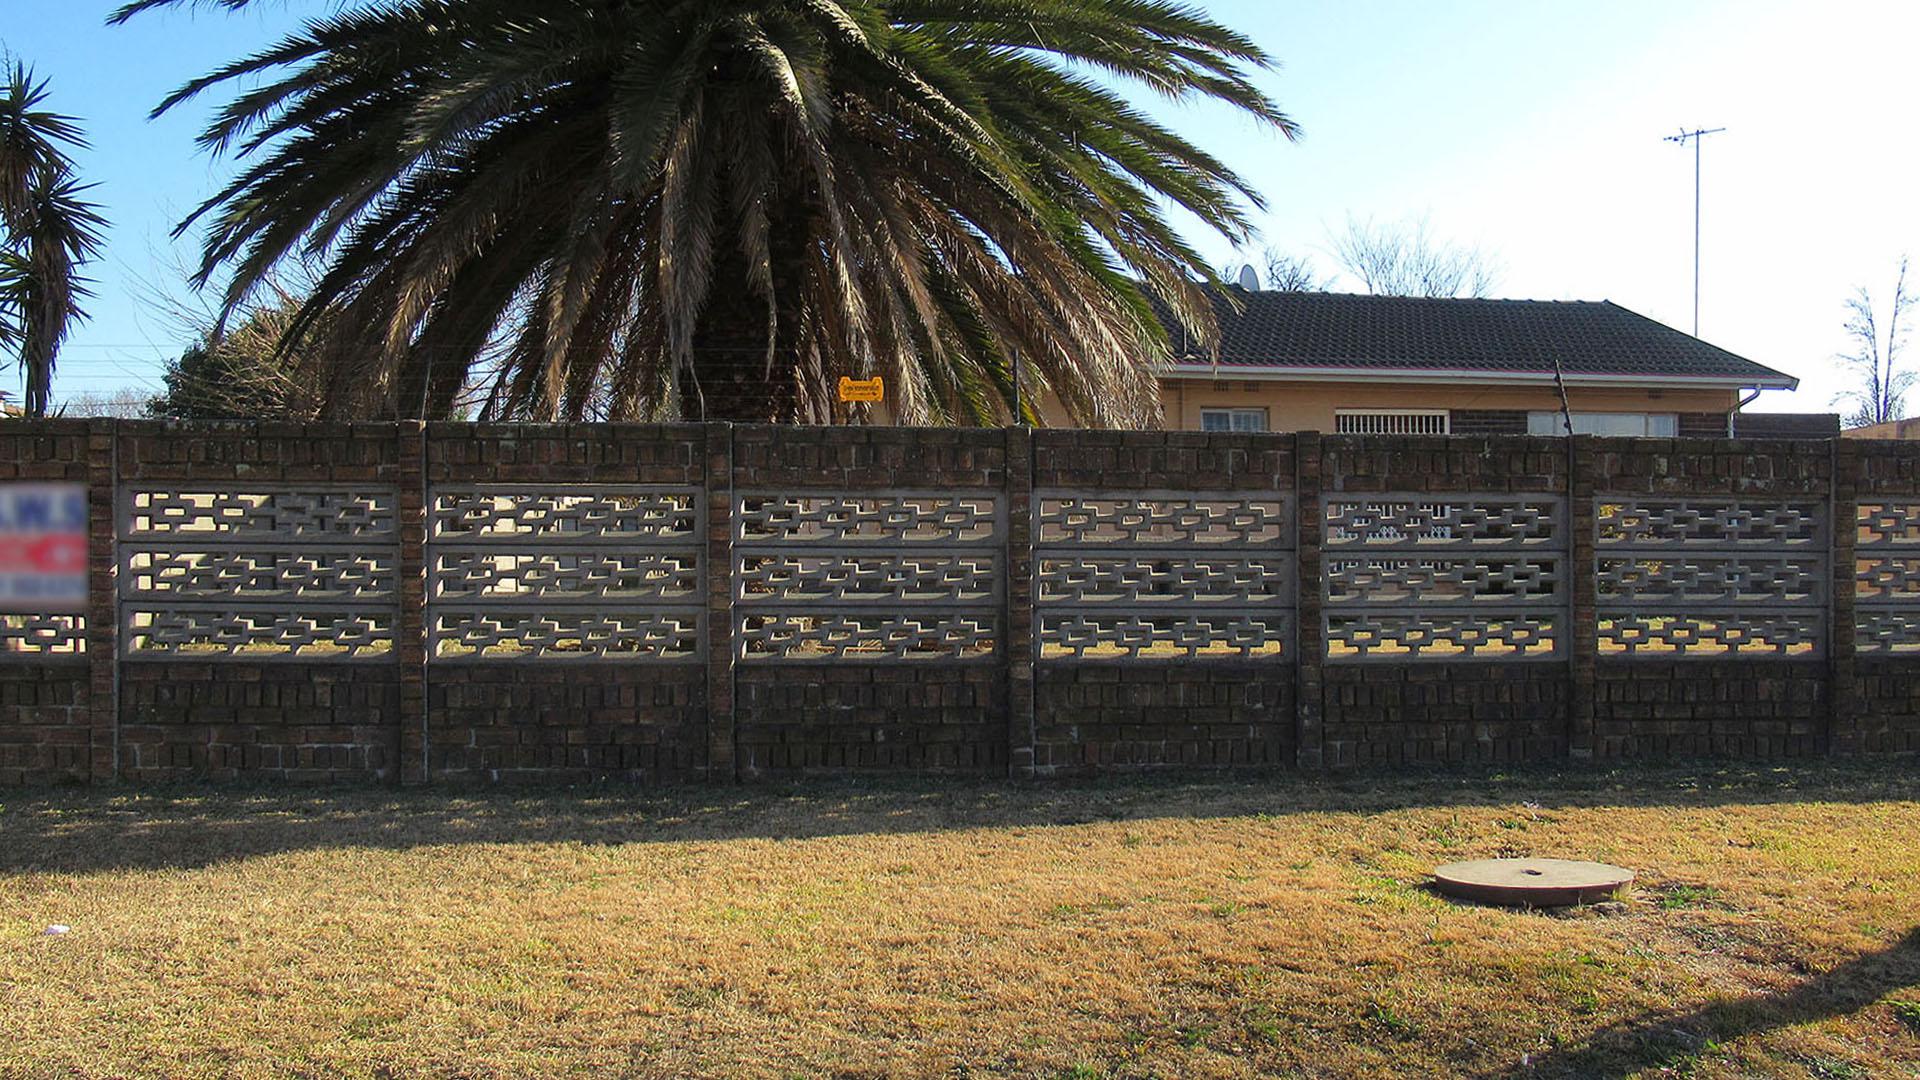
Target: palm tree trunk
x,y
735,376
738,375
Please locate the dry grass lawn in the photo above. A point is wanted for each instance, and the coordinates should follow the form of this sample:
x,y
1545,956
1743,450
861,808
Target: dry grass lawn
x,y
1173,927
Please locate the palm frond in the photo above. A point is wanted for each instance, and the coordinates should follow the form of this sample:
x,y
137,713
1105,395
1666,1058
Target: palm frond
x,y
48,232
717,208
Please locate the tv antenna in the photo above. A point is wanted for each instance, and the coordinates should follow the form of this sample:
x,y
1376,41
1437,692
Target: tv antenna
x,y
1696,137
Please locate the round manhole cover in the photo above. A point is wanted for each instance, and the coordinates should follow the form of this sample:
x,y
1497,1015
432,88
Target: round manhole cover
x,y
1531,882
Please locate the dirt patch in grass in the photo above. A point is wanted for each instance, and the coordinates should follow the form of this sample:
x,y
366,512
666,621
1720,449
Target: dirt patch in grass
x,y
1257,926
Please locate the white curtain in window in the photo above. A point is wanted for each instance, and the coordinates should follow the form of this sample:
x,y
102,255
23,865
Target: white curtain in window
x,y
1658,425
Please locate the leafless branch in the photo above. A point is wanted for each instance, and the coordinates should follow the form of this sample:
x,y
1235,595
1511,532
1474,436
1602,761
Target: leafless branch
x,y
1293,273
1874,365
122,404
1403,258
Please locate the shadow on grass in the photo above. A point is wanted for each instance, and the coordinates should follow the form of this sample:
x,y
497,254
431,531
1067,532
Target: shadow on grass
x,y
1676,1041
187,826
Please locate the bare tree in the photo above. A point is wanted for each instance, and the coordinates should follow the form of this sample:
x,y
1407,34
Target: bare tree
x,y
1880,382
1293,273
1403,258
122,404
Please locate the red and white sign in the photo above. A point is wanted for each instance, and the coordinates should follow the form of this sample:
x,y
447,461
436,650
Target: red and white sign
x,y
43,547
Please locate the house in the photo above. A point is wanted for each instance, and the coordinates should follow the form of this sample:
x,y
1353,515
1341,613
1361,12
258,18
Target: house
x,y
1296,361
1907,430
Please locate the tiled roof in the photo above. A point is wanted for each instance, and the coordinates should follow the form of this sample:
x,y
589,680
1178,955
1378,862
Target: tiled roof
x,y
1388,333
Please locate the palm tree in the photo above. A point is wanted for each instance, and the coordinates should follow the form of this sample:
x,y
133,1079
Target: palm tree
x,y
650,208
47,232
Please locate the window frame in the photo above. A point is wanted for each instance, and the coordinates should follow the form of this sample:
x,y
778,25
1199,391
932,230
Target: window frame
x,y
1234,413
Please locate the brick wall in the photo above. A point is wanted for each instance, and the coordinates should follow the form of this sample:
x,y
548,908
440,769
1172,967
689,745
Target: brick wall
x,y
1152,712
1366,464
1435,713
1888,698
851,714
282,720
1877,697
271,719
1384,711
257,453
723,713
1760,425
565,719
779,458
1750,707
1778,468
1746,708
844,716
45,728
1162,461
1094,716
48,728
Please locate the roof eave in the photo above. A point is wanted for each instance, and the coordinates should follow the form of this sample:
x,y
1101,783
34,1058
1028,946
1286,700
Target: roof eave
x,y
1431,376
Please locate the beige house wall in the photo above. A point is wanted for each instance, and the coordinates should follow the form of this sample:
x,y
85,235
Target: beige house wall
x,y
1310,406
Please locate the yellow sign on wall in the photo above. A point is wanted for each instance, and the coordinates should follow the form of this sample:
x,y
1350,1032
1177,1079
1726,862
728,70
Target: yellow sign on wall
x,y
862,389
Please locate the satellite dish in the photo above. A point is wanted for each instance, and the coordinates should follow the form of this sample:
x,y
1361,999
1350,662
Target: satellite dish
x,y
1249,278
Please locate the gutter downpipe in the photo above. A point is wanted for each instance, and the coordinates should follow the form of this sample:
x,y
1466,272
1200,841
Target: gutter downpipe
x,y
1744,402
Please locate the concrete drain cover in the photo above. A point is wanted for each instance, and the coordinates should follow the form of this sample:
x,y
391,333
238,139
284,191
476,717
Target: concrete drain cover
x,y
1531,882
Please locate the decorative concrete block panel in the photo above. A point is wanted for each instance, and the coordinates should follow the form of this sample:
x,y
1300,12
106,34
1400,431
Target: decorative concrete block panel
x,y
1431,577
526,572
1710,578
255,573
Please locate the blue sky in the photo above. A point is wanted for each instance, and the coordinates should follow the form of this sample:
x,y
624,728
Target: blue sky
x,y
1530,129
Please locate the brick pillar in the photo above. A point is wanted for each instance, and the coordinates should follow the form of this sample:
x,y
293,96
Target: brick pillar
x,y
1583,634
1846,728
410,627
722,757
103,608
1017,637
1310,647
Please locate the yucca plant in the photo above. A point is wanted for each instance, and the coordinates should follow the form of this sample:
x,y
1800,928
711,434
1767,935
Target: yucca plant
x,y
47,232
649,208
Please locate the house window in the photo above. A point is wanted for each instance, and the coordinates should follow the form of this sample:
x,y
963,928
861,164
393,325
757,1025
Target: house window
x,y
1392,422
1233,419
1657,425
